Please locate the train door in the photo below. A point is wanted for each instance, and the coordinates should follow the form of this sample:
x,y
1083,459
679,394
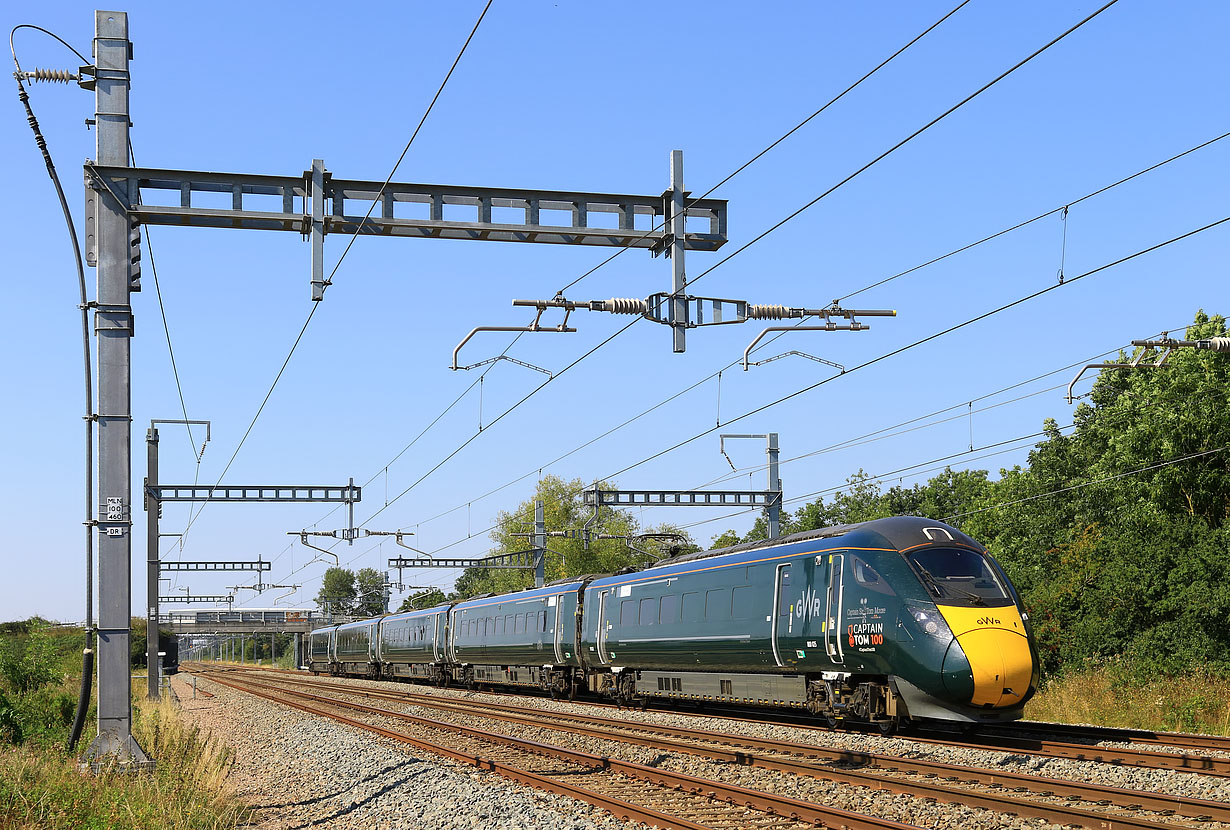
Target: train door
x,y
603,627
559,629
783,616
832,609
452,637
438,620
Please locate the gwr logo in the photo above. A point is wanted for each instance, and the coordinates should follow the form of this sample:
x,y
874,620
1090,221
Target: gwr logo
x,y
988,621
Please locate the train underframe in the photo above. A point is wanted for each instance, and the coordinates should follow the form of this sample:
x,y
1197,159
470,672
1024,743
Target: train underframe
x,y
886,703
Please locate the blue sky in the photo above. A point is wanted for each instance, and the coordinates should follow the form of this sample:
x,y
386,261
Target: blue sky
x,y
586,96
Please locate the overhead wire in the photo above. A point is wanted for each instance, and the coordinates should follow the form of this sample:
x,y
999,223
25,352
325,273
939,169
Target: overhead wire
x,y
760,237
83,698
629,245
920,266
328,281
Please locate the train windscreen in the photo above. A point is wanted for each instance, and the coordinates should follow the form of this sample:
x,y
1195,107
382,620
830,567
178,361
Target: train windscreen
x,y
959,577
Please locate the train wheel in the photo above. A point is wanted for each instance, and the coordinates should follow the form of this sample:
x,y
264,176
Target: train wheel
x,y
887,727
831,721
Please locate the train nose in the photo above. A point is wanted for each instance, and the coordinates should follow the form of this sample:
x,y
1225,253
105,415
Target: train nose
x,y
997,653
1000,663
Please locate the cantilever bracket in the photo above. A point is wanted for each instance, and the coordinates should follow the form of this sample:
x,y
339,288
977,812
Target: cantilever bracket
x,y
836,366
535,326
854,326
303,534
1164,342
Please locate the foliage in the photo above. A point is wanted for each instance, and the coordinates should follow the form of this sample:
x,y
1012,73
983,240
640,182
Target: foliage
x,y
422,599
1117,535
28,663
186,791
1109,694
337,591
370,592
564,509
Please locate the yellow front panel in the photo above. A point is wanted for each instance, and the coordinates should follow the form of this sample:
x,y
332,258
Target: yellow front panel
x,y
995,644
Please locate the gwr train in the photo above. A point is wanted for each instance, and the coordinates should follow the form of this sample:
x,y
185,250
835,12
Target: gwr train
x,y
884,621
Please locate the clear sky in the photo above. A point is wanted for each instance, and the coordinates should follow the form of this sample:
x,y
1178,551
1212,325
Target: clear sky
x,y
594,96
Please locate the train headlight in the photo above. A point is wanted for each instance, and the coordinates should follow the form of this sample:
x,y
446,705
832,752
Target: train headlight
x,y
930,621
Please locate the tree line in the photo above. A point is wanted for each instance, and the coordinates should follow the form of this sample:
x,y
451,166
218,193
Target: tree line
x,y
1117,534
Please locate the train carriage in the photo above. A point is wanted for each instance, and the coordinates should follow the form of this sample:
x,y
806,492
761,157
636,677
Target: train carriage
x,y
412,645
320,650
526,638
881,621
354,648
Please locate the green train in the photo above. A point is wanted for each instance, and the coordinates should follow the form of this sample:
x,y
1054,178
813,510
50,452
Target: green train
x,y
881,622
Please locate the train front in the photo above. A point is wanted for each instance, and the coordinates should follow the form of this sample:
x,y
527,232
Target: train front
x,y
975,656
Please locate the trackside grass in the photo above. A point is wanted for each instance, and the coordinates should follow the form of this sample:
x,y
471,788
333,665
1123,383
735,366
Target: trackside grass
x,y
1199,703
44,788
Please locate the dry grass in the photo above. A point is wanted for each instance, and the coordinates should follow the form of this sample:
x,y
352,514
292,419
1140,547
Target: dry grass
x,y
187,791
1098,696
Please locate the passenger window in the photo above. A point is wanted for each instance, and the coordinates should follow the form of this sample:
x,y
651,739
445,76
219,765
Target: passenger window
x,y
741,603
649,611
518,623
627,612
508,623
693,607
786,597
670,609
542,620
717,605
870,578
499,625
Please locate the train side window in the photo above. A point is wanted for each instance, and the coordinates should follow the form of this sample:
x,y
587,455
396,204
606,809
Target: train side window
x,y
670,609
786,598
499,625
508,623
870,578
542,620
693,607
649,611
717,605
741,602
518,623
627,612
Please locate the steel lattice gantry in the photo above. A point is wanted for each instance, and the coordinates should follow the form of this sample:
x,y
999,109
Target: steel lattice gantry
x,y
118,199
316,204
258,565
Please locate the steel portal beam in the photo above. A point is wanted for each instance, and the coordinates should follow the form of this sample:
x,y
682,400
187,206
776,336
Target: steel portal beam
x,y
214,598
521,560
257,493
681,498
429,211
216,566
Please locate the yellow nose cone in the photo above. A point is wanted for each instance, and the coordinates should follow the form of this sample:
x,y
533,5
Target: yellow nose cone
x,y
994,642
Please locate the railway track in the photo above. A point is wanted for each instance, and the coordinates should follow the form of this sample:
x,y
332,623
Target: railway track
x,y
1054,800
1071,732
630,791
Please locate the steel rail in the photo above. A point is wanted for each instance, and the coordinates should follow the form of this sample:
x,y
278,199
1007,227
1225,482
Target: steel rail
x,y
1059,814
1177,762
772,804
1216,743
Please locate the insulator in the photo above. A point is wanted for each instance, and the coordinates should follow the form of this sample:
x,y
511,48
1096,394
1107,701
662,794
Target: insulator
x,y
767,312
626,305
55,76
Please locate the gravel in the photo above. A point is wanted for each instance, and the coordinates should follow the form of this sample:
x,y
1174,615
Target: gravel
x,y
299,771
393,788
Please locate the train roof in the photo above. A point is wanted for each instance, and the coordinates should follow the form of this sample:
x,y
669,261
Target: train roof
x,y
900,531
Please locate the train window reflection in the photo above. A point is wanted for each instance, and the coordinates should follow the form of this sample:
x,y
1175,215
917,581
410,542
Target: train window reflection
x,y
961,576
870,578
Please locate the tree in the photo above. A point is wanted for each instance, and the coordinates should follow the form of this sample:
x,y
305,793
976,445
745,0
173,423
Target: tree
x,y
422,599
1118,534
337,591
370,593
564,509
